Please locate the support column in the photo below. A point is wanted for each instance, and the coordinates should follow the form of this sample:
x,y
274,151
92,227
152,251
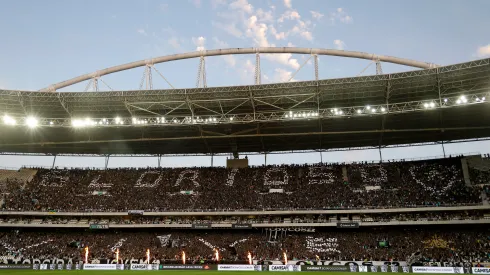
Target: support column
x,y
212,159
54,161
159,160
443,149
265,159
106,161
380,154
321,157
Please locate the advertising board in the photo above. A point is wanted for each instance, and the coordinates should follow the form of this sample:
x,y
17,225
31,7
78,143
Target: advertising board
x,y
329,268
437,269
237,267
284,268
187,267
103,267
480,270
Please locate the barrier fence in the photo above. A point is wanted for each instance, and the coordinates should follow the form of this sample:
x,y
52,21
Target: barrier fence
x,y
244,267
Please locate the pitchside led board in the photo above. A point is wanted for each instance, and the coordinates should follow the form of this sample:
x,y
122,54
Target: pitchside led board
x,y
243,267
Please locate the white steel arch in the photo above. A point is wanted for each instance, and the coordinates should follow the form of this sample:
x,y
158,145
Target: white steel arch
x,y
231,51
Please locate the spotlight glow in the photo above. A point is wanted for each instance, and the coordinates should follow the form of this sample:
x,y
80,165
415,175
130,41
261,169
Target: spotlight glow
x,y
32,122
359,111
9,120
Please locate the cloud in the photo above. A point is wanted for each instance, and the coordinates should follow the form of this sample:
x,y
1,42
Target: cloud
x,y
265,16
287,4
216,3
230,28
199,43
307,35
247,72
302,29
229,60
316,15
281,75
276,34
339,44
289,14
242,5
483,51
283,59
341,16
220,44
174,42
163,7
142,32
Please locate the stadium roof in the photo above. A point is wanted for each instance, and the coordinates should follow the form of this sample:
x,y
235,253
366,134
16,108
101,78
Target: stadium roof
x,y
432,105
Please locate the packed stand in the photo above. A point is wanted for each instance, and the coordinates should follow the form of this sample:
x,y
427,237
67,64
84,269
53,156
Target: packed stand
x,y
388,185
443,245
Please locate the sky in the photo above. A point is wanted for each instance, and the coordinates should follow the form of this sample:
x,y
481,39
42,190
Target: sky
x,y
44,42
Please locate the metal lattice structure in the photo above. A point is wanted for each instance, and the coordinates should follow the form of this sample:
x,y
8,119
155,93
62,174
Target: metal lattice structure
x,y
437,104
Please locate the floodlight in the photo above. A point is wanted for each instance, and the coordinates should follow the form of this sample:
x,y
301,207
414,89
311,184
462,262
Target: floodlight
x,y
426,105
483,99
477,99
445,100
373,110
432,105
463,99
368,107
341,113
383,109
359,111
458,101
9,120
50,123
231,118
31,122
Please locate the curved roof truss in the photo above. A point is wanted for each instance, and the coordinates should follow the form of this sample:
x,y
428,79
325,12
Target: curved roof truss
x,y
231,51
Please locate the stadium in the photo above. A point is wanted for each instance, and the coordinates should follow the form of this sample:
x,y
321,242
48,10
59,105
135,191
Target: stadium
x,y
421,216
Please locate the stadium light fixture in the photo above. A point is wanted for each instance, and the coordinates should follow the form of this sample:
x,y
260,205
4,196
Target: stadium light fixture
x,y
368,107
383,109
51,123
426,105
373,110
359,111
445,100
483,99
463,99
32,122
432,105
9,120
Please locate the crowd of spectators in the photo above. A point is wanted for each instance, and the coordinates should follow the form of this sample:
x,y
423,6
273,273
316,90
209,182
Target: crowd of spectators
x,y
387,185
187,220
452,245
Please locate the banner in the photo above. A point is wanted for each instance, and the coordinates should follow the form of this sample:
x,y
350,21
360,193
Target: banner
x,y
222,267
480,270
335,263
15,266
99,226
284,268
182,267
103,266
241,226
347,225
136,212
144,267
201,226
437,269
330,268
